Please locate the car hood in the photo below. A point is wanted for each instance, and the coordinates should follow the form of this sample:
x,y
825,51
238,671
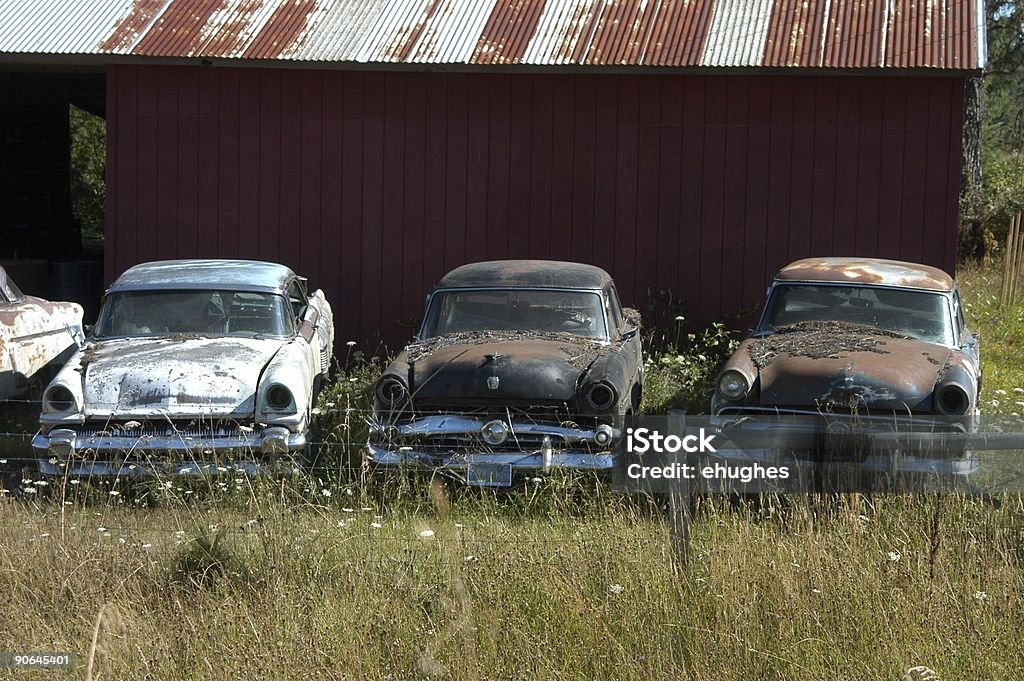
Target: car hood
x,y
875,370
524,370
174,376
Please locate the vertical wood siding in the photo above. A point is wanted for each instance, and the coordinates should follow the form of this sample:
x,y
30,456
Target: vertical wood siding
x,y
374,184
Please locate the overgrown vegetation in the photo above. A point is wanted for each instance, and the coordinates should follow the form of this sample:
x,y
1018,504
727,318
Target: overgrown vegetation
x,y
335,577
88,168
986,211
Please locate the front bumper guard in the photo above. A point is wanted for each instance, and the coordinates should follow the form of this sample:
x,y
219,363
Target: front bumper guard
x,y
66,452
563,447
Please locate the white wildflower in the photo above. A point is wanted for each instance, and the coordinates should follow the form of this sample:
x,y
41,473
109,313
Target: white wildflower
x,y
894,556
325,492
616,588
980,596
376,526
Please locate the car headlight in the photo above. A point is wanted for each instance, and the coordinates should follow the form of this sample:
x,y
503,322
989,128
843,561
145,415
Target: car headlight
x,y
392,391
952,400
601,396
58,398
279,399
733,385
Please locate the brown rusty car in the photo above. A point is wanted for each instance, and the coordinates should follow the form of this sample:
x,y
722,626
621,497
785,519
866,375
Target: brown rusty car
x,y
858,346
520,366
36,337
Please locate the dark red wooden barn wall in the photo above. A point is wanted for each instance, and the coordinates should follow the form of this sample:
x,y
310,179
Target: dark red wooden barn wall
x,y
374,184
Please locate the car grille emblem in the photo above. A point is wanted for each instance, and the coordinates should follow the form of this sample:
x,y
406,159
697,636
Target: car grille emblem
x,y
493,382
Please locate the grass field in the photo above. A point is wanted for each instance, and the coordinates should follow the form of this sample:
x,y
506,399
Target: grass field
x,y
333,580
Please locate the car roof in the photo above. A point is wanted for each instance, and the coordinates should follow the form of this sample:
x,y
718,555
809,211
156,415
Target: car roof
x,y
867,271
236,275
526,274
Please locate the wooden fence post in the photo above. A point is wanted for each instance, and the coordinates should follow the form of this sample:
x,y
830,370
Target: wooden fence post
x,y
679,496
1015,280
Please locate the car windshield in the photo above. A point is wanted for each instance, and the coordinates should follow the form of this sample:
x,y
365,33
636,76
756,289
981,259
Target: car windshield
x,y
918,314
206,313
544,310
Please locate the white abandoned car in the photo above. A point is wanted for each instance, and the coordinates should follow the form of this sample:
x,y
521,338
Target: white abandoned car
x,y
193,367
36,336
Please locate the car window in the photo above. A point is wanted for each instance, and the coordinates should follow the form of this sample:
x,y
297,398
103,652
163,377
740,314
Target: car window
x,y
297,299
9,292
169,312
919,314
545,310
961,323
615,309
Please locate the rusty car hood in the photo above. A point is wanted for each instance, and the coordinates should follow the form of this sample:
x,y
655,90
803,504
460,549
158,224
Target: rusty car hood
x,y
173,376
877,370
531,368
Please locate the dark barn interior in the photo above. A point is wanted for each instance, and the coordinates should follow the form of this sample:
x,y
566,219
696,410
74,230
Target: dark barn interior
x,y
41,242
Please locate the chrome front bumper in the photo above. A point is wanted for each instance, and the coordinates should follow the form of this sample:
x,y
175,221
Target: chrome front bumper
x,y
66,452
874,444
407,446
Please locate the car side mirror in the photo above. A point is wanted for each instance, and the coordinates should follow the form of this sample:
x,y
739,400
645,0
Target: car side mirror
x,y
629,333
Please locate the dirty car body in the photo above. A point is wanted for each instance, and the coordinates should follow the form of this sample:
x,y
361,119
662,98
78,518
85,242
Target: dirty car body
x,y
193,367
851,357
36,337
520,366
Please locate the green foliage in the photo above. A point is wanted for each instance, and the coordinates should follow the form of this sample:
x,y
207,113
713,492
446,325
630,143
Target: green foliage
x,y
205,561
682,378
88,168
1001,194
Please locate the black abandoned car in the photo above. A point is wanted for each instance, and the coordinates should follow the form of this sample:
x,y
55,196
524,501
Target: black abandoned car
x,y
520,366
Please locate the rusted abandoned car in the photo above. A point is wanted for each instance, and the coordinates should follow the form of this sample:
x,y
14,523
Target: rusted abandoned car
x,y
194,366
862,348
519,366
36,337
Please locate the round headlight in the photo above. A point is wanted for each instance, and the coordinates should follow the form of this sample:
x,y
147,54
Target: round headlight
x,y
732,385
952,400
494,432
279,397
59,398
601,396
391,391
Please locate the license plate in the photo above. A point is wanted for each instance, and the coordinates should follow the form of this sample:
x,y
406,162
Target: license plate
x,y
489,474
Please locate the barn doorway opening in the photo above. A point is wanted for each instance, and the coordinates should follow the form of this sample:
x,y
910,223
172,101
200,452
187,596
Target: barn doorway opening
x,y
52,165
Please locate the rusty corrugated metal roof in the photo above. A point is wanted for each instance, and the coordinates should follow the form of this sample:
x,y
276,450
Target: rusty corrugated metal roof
x,y
942,34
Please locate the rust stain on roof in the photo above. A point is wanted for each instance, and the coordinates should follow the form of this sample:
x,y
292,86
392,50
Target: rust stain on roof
x,y
869,34
232,34
867,271
507,32
178,29
285,26
128,29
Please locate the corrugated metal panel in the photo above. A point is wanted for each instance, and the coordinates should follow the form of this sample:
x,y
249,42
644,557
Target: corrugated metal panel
x,y
738,33
59,28
683,33
655,178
